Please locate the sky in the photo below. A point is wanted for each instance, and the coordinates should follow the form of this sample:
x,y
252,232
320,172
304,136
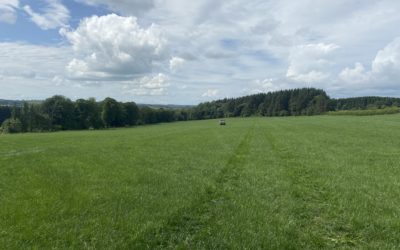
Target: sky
x,y
187,52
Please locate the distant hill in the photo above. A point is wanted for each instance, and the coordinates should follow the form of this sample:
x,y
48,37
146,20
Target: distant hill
x,y
10,103
166,106
19,103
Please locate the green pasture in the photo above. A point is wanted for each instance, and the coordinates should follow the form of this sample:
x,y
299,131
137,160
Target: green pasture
x,y
256,183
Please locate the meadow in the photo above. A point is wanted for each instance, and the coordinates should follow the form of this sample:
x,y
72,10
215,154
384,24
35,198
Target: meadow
x,y
272,183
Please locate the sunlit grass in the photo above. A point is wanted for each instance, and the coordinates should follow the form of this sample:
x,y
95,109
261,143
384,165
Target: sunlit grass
x,y
280,183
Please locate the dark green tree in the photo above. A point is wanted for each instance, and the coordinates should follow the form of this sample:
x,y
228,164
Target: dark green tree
x,y
113,113
87,114
132,113
61,112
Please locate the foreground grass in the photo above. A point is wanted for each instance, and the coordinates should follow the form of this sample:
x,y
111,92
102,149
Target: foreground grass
x,y
277,183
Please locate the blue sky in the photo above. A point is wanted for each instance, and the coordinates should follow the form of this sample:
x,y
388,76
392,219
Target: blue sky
x,y
24,30
186,52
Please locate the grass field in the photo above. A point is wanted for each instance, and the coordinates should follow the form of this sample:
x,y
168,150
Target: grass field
x,y
272,183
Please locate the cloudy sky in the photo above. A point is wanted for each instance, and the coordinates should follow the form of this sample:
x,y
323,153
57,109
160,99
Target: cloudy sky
x,y
186,52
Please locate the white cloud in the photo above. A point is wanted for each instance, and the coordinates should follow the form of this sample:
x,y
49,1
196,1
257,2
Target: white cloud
x,y
157,82
176,63
285,44
385,69
29,70
53,15
20,60
60,80
210,93
311,63
387,62
148,86
356,75
8,11
266,85
112,47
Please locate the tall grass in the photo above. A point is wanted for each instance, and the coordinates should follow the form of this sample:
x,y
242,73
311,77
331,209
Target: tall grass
x,y
366,112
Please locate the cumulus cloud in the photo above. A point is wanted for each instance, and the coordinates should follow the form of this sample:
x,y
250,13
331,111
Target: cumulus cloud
x,y
385,69
53,15
112,47
60,80
265,85
210,93
310,63
356,75
387,61
148,86
297,42
8,11
285,44
176,63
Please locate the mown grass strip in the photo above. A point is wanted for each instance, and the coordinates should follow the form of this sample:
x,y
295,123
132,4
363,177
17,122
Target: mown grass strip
x,y
187,228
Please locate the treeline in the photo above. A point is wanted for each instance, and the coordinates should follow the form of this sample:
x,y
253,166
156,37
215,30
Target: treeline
x,y
362,103
305,101
294,102
60,113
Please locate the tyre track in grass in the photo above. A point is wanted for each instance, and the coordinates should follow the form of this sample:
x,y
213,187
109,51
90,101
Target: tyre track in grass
x,y
189,226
